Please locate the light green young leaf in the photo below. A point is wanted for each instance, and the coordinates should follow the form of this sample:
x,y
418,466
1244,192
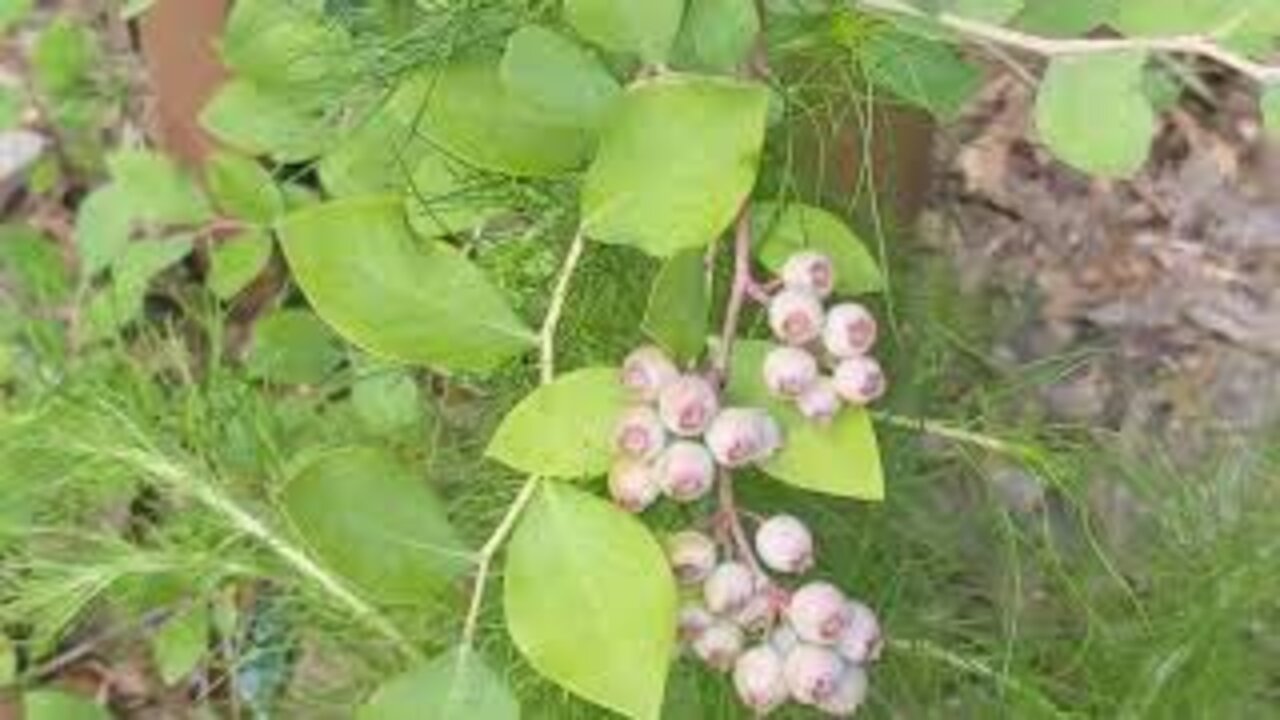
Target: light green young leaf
x,y
440,202
785,230
644,28
121,300
289,45
590,600
564,429
156,189
181,643
64,56
457,685
375,521
395,299
717,34
679,311
922,72
55,705
236,261
1067,118
677,158
293,347
990,11
385,145
558,75
256,121
842,458
241,188
104,223
1065,19
476,117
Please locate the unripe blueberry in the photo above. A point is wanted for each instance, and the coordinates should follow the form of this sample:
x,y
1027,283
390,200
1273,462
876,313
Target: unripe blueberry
x,y
784,544
795,316
719,645
820,403
757,613
687,405
639,433
757,676
859,380
728,588
646,371
741,436
633,485
784,639
691,621
812,673
850,330
819,613
692,556
861,641
850,693
686,471
810,271
789,371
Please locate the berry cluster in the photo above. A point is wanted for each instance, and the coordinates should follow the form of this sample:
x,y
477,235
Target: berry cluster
x,y
844,333
675,438
812,645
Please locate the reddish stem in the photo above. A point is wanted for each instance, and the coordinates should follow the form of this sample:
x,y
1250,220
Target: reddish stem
x,y
729,511
738,290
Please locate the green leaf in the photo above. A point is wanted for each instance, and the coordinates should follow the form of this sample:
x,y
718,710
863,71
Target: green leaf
x,y
121,301
257,121
923,72
644,28
839,459
386,144
284,44
997,12
1270,105
474,115
64,56
156,189
679,311
785,230
237,261
718,34
394,299
55,705
181,643
457,685
13,12
558,75
677,158
590,600
387,400
1173,17
35,263
294,348
564,429
241,188
440,200
1067,105
104,222
375,521
1065,19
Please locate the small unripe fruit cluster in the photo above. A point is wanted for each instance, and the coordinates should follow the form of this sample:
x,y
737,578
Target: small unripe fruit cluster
x,y
842,334
671,441
811,646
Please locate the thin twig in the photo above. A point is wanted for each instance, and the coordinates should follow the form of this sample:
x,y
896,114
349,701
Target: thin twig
x,y
733,520
489,551
547,336
738,289
1203,45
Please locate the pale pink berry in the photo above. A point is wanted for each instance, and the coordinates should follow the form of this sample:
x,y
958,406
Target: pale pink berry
x,y
719,645
819,613
646,371
789,371
691,621
784,639
784,544
757,676
633,485
820,403
741,436
795,316
850,330
639,433
809,270
758,613
812,673
859,380
692,556
728,588
686,471
850,693
687,405
861,641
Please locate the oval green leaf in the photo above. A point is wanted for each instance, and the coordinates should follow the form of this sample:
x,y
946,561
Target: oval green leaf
x,y
645,28
555,73
679,311
786,229
374,521
358,265
842,458
590,600
235,262
564,429
1067,105
677,157
717,34
457,685
241,188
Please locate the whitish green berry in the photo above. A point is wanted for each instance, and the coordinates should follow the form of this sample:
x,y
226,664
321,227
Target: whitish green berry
x,y
719,645
741,436
692,556
691,621
646,371
789,371
795,316
639,433
687,405
850,693
819,613
859,380
728,588
686,471
809,270
850,330
784,544
820,403
812,673
861,641
633,485
757,676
